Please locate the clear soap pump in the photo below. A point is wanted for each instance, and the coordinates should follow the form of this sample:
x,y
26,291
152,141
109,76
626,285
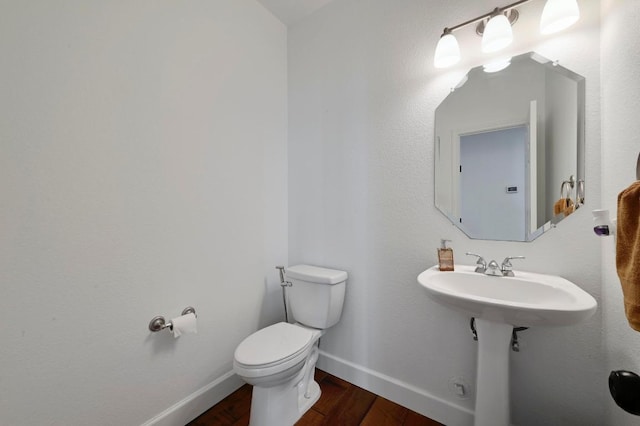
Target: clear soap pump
x,y
445,256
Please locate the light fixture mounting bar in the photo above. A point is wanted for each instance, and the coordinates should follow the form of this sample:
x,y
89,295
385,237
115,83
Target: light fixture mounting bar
x,y
486,15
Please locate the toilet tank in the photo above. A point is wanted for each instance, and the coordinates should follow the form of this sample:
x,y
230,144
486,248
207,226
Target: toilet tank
x,y
316,295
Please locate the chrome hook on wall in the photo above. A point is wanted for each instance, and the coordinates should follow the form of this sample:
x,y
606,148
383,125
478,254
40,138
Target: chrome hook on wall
x,y
159,323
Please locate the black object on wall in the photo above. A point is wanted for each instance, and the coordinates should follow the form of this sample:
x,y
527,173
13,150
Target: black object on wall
x,y
625,390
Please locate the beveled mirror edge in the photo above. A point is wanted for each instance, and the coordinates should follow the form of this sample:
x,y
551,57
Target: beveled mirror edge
x,y
580,143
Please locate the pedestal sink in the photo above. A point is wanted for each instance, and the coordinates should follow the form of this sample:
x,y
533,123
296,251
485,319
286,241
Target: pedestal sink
x,y
499,304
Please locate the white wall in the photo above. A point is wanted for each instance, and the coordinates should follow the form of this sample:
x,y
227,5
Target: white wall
x,y
620,149
362,96
142,169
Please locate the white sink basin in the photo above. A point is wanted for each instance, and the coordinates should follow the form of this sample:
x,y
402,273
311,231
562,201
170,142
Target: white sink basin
x,y
528,299
499,304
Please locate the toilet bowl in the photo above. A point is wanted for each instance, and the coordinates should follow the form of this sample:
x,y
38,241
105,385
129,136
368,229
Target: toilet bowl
x,y
276,360
275,354
279,360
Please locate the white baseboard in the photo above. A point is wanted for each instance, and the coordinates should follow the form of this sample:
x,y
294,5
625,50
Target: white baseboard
x,y
407,395
198,402
402,393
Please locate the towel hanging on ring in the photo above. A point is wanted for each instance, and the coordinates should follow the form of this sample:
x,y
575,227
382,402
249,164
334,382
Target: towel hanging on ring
x,y
628,251
565,204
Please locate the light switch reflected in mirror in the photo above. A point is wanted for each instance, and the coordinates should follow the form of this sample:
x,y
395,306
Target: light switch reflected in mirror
x,y
505,142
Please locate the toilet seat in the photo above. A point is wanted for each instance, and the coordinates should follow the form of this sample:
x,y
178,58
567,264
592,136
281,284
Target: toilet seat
x,y
273,349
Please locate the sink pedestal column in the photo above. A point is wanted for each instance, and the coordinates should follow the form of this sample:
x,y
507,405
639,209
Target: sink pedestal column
x,y
492,381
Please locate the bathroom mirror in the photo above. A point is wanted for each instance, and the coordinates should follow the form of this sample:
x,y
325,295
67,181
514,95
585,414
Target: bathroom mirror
x,y
509,149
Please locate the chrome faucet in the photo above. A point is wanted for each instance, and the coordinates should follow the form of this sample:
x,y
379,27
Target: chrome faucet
x,y
507,267
493,269
482,264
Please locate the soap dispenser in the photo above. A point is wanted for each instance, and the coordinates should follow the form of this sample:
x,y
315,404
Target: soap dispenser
x,y
445,256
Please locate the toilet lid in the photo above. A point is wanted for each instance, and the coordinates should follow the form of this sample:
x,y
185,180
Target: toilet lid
x,y
273,344
316,274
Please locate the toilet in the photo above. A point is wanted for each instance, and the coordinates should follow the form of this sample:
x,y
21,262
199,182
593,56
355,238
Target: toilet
x,y
279,361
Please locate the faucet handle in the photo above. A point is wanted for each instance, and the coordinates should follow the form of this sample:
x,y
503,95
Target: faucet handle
x,y
481,262
480,258
507,267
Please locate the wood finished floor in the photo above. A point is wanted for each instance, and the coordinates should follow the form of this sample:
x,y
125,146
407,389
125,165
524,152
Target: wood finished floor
x,y
341,404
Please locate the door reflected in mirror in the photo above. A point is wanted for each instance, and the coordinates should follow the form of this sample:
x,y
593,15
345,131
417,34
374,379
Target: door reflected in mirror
x,y
509,149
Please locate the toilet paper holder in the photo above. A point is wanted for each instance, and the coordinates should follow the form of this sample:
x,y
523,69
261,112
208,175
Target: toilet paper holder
x,y
159,323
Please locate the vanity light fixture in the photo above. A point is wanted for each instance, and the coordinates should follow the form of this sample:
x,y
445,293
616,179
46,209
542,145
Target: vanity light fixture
x,y
558,15
447,50
496,32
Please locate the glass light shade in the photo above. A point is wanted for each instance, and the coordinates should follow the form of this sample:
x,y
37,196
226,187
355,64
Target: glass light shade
x,y
497,34
447,51
558,15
